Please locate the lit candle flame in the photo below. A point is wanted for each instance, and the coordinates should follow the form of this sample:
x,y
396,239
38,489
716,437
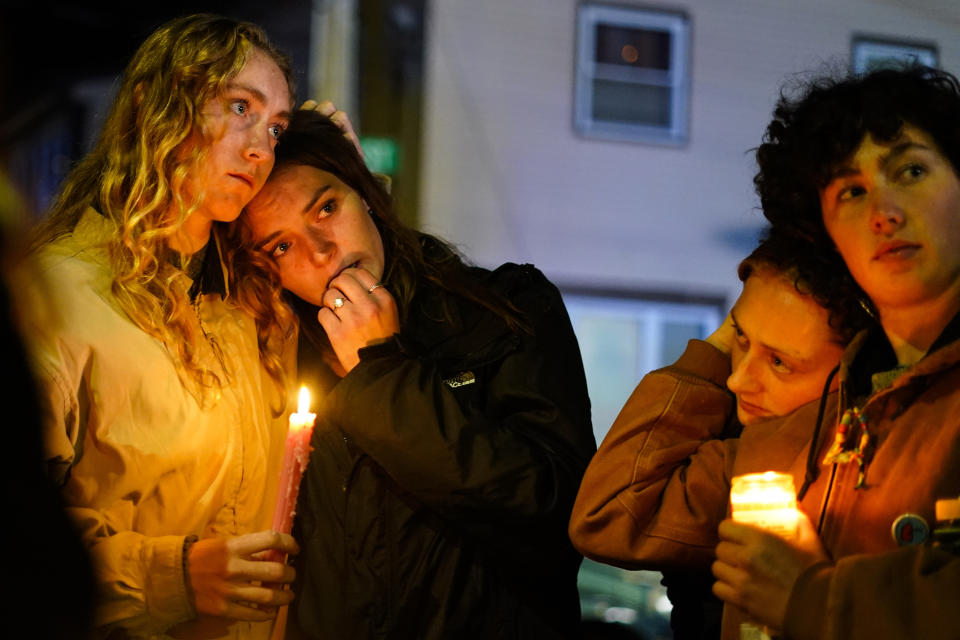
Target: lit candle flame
x,y
303,404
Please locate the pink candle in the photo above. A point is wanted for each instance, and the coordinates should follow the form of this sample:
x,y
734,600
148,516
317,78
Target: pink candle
x,y
296,454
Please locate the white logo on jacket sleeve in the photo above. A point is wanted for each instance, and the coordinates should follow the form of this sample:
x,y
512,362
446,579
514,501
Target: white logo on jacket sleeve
x,y
461,379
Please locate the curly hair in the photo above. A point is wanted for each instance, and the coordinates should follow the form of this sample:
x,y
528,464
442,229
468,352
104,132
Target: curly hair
x,y
816,271
135,173
813,133
411,257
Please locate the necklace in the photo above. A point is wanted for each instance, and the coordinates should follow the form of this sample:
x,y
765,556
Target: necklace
x,y
843,450
195,270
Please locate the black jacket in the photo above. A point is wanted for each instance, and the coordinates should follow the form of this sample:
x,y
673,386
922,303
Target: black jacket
x,y
444,469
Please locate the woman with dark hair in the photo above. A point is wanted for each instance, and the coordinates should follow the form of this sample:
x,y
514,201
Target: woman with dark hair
x,y
454,426
864,168
774,352
867,167
814,132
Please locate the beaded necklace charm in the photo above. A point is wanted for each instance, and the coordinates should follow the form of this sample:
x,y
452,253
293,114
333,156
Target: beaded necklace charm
x,y
842,449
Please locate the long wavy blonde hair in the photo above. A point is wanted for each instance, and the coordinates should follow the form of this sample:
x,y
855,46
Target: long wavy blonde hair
x,y
135,173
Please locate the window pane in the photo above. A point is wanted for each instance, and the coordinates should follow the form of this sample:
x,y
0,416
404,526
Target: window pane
x,y
631,103
646,48
610,348
632,80
675,337
633,598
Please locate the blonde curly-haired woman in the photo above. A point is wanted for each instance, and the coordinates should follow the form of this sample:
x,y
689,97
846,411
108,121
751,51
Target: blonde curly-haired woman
x,y
164,423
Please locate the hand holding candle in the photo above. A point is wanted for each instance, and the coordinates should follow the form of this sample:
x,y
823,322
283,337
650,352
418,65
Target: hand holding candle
x,y
766,500
755,570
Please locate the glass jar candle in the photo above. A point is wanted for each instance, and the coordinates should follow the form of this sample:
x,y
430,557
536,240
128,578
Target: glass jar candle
x,y
767,500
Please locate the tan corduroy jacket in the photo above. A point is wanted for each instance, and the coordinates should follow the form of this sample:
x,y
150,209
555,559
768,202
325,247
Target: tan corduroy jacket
x,y
659,485
144,463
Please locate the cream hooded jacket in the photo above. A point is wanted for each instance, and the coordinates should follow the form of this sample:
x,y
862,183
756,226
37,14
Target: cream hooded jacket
x,y
142,462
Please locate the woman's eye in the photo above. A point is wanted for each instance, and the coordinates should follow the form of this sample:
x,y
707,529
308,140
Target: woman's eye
x,y
741,337
328,208
912,171
848,193
279,249
239,107
779,365
275,131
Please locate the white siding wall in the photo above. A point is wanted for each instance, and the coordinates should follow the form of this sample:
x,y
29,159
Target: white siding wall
x,y
506,178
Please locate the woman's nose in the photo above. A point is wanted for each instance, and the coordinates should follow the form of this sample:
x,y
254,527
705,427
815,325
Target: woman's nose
x,y
321,249
886,216
259,145
743,379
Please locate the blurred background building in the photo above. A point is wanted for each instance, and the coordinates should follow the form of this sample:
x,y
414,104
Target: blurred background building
x,y
610,143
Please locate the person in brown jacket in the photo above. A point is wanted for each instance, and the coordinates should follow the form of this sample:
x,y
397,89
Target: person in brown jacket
x,y
784,335
866,165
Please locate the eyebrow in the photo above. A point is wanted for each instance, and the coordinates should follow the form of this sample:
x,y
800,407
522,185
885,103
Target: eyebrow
x,y
784,352
901,149
260,96
322,189
310,204
846,170
263,243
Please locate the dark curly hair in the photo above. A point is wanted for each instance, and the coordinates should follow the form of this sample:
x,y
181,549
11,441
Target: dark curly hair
x,y
819,127
811,134
817,271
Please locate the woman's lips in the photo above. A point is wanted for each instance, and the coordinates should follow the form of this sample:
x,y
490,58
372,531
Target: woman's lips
x,y
752,409
896,250
243,177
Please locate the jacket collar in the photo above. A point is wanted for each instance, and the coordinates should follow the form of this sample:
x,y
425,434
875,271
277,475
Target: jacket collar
x,y
870,352
95,229
213,278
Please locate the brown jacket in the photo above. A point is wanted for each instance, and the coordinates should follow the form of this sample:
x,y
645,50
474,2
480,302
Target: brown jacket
x,y
658,487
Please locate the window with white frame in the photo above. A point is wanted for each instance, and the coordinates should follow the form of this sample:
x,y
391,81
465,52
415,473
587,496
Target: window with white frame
x,y
632,74
871,53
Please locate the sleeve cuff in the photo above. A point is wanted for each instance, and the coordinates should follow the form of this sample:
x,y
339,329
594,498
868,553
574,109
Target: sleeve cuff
x,y
390,347
807,605
703,360
167,599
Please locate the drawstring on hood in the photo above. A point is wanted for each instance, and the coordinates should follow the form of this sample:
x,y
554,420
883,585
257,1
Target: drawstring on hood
x,y
813,469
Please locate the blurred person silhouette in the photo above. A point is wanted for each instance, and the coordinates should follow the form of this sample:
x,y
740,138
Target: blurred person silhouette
x,y
455,424
35,512
163,423
773,353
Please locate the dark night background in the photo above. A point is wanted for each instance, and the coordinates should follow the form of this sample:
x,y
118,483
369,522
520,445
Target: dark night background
x,y
59,61
45,46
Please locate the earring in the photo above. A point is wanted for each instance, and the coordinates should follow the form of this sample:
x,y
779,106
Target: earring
x,y
867,307
371,213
